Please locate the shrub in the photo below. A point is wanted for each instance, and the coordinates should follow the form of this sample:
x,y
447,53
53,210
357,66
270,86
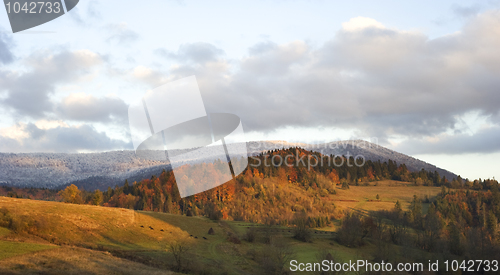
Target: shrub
x,y
233,238
301,231
5,218
23,223
268,236
351,232
250,235
276,256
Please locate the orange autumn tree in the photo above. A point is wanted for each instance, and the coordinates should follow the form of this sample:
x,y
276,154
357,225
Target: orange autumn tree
x,y
334,176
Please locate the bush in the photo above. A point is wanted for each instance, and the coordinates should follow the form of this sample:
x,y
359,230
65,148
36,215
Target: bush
x,y
301,231
5,218
329,256
233,238
21,223
276,256
250,235
268,236
351,233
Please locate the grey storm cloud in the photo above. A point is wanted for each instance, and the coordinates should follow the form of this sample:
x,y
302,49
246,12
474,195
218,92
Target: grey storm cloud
x,y
61,139
28,93
6,55
377,80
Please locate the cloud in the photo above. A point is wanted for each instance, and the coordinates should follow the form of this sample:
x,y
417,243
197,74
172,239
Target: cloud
x,y
465,11
93,10
28,93
199,52
272,59
484,141
150,76
6,55
52,136
379,81
121,34
84,107
361,23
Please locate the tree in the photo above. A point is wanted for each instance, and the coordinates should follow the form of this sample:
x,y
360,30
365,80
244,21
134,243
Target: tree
x,y
491,223
179,246
397,206
301,231
416,211
377,197
97,197
455,242
167,206
126,188
71,194
351,233
432,228
345,184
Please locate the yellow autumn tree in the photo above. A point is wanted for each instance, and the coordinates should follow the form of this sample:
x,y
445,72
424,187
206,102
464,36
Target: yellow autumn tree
x,y
71,194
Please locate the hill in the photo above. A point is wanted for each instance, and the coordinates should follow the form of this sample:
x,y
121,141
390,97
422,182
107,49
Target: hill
x,y
269,217
102,170
54,238
82,239
368,150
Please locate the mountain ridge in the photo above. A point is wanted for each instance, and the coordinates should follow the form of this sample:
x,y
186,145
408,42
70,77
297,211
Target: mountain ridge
x,y
107,169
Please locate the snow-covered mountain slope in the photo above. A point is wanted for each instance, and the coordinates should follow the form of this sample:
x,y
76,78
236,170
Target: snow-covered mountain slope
x,y
100,170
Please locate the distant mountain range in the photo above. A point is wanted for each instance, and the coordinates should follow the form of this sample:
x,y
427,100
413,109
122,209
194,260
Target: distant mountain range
x,y
102,170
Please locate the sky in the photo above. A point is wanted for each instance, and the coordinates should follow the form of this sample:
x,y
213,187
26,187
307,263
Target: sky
x,y
419,77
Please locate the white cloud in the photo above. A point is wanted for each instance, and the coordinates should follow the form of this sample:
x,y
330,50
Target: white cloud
x,y
359,23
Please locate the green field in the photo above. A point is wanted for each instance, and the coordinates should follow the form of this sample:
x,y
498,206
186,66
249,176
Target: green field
x,y
10,249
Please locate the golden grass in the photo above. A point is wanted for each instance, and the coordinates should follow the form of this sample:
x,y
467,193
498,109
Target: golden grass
x,y
363,198
4,231
72,261
93,225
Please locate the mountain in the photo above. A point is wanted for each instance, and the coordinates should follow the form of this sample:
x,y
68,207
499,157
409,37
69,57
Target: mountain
x,y
367,150
107,169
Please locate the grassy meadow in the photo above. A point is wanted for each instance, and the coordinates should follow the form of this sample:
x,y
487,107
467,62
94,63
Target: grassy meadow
x,y
85,239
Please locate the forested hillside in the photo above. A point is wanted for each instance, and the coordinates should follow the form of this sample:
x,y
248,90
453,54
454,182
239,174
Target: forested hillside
x,y
265,193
